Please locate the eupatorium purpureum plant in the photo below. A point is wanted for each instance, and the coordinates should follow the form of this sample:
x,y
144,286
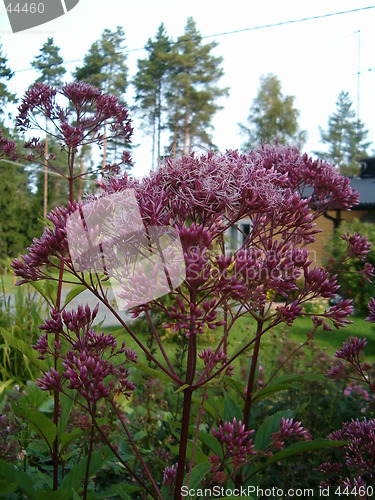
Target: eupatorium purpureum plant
x,y
197,198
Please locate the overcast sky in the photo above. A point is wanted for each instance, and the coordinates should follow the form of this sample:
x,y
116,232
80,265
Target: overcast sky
x,y
314,59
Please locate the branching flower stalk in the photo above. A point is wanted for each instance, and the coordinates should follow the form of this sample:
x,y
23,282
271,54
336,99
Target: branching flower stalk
x,y
200,197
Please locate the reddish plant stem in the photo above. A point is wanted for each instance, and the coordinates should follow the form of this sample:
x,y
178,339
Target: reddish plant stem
x,y
87,472
251,381
116,454
136,450
56,394
157,338
186,409
204,395
249,391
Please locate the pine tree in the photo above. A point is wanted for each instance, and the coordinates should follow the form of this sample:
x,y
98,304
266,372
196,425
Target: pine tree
x,y
104,67
18,221
5,75
49,64
346,137
193,91
272,116
150,84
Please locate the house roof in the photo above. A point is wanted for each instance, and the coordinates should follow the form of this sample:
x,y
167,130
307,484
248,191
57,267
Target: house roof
x,y
365,183
366,189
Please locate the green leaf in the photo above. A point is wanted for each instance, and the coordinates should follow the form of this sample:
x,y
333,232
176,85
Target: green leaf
x,y
152,372
238,385
270,425
197,474
66,406
60,494
303,447
209,409
116,490
284,383
210,442
45,427
73,293
45,290
5,384
66,438
231,409
182,388
7,487
24,348
75,476
12,474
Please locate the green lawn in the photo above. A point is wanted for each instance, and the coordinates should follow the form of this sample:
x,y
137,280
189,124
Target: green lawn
x,y
244,330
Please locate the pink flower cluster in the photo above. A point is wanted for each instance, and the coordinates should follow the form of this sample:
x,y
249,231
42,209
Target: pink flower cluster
x,y
359,455
236,443
289,428
88,365
79,123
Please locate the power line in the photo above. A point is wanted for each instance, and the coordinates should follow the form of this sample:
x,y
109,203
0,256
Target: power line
x,y
244,30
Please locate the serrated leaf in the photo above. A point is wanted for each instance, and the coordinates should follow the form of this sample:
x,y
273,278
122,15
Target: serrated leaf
x,y
60,494
197,474
66,406
73,293
210,442
7,487
14,475
75,476
284,383
231,410
303,447
66,438
152,372
182,388
39,286
237,385
270,425
209,409
24,348
45,427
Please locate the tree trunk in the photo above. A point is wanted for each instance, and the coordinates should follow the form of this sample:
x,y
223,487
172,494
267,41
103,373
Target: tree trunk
x,y
45,196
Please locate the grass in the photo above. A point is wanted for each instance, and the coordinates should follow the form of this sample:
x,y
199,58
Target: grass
x,y
244,330
7,283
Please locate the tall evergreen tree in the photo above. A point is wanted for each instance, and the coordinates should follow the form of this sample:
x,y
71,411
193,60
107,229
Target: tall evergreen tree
x,y
151,84
18,221
104,67
193,91
272,116
49,64
5,75
346,137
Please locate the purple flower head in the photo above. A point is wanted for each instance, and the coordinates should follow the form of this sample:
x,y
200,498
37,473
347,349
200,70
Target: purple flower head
x,y
7,148
358,246
50,381
235,441
357,465
169,475
80,122
289,428
350,350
